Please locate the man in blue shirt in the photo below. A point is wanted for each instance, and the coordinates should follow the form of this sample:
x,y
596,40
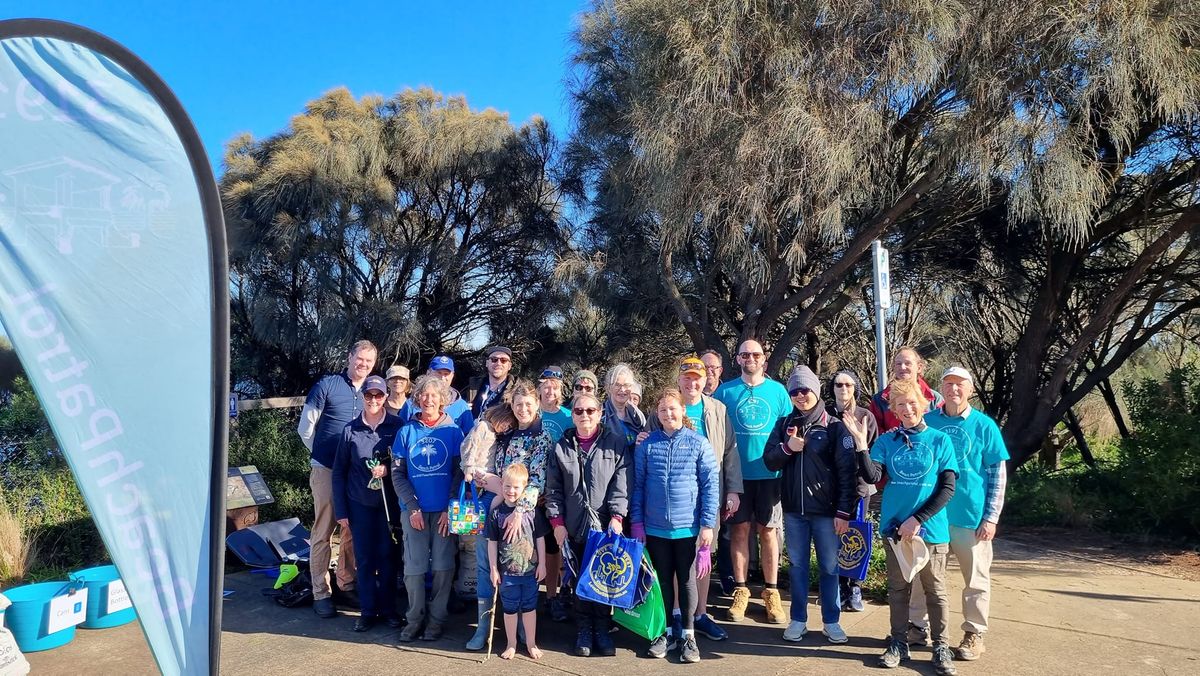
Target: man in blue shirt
x,y
492,390
755,403
331,404
973,511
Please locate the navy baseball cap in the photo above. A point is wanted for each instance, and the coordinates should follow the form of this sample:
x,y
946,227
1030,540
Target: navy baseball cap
x,y
375,383
441,362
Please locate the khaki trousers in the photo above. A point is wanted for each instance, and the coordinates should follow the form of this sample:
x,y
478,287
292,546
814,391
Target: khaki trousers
x,y
320,481
975,560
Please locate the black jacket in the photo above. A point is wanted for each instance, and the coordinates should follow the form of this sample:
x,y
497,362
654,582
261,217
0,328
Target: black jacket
x,y
821,479
607,479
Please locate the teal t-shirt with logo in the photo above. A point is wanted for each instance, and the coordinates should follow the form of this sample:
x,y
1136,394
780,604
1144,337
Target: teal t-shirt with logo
x,y
977,444
913,468
754,412
554,424
695,412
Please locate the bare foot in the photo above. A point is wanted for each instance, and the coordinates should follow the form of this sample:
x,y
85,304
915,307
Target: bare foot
x,y
508,653
535,653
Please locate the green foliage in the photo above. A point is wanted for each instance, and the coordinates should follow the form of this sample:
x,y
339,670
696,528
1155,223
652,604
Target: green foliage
x,y
1154,475
1159,468
267,439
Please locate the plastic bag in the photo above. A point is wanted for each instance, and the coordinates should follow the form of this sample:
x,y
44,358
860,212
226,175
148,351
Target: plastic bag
x,y
648,619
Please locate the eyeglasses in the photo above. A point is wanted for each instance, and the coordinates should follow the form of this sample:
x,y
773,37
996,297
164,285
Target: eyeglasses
x,y
843,384
552,373
751,355
499,360
374,395
584,411
584,387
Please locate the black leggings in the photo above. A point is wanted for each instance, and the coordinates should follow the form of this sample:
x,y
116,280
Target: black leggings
x,y
674,561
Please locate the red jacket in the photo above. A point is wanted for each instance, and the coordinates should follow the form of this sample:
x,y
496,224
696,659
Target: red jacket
x,y
883,413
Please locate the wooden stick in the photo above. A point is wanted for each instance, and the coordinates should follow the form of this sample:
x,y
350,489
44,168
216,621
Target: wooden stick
x,y
491,621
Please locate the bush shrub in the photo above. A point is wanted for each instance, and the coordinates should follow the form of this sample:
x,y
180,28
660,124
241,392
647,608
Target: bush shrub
x,y
267,439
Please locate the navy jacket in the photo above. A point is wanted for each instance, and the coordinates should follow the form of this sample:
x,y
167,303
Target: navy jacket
x,y
338,402
360,443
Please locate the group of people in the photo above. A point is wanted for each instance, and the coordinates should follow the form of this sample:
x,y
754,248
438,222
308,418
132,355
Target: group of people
x,y
714,465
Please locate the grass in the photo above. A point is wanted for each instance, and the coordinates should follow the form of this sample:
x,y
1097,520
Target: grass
x,y
18,548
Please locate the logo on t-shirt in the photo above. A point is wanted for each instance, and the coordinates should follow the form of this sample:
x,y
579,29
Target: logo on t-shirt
x,y
753,414
912,463
551,427
962,443
429,455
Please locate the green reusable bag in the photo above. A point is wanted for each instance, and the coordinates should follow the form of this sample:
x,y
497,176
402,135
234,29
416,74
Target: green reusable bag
x,y
649,618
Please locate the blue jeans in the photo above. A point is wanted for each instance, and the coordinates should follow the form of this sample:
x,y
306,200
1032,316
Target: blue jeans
x,y
818,530
483,567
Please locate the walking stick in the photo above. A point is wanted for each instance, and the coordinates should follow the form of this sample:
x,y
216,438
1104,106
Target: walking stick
x,y
492,621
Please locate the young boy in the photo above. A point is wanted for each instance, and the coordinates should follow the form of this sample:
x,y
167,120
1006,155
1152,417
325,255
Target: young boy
x,y
517,566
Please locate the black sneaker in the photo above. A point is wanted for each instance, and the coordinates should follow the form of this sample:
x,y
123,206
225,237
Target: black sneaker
x,y
583,638
727,585
943,660
689,652
364,623
324,608
658,647
897,652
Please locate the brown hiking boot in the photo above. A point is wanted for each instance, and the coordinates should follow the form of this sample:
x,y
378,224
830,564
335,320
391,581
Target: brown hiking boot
x,y
737,607
971,647
774,603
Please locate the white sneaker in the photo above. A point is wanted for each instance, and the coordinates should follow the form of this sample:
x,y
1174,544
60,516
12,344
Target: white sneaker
x,y
834,633
795,631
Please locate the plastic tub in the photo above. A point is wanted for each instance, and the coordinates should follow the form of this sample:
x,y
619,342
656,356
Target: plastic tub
x,y
29,613
97,580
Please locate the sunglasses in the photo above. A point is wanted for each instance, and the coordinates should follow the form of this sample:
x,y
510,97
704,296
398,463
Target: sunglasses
x,y
374,395
499,360
552,373
584,387
804,391
751,355
843,384
692,368
585,411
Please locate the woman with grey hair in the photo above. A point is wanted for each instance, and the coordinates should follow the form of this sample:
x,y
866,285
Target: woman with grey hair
x,y
426,473
619,411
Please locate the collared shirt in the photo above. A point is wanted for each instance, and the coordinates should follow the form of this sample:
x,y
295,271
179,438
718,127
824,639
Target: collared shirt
x,y
331,403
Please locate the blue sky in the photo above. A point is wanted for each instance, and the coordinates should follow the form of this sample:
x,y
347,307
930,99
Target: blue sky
x,y
252,65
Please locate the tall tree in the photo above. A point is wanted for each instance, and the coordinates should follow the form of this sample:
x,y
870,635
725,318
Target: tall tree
x,y
753,149
413,221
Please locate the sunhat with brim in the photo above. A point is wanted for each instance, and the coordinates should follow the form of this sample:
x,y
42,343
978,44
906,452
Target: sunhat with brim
x,y
911,555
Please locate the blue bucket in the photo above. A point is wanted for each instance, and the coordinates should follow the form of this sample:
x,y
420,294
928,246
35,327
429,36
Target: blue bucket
x,y
29,614
97,580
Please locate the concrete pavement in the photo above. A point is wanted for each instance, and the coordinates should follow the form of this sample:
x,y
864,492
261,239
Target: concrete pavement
x,y
1051,614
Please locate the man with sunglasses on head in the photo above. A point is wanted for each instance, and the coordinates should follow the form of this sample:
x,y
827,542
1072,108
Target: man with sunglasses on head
x,y
755,403
486,392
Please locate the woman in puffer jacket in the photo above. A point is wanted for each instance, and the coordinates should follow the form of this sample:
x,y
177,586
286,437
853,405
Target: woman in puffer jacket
x,y
673,509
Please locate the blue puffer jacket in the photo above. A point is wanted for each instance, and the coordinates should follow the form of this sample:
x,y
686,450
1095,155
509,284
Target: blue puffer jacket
x,y
676,485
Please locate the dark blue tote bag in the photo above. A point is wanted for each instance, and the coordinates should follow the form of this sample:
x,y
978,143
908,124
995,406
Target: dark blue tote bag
x,y
854,554
611,564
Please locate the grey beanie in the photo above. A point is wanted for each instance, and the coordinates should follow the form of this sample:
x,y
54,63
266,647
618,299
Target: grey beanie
x,y
803,377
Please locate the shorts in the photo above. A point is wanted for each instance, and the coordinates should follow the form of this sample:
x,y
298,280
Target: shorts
x,y
760,501
518,593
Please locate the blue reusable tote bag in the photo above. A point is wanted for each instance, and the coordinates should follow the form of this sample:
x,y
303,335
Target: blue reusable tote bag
x,y
854,554
610,570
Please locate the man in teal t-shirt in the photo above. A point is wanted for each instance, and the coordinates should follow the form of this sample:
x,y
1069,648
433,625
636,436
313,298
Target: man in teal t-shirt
x,y
975,508
755,403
